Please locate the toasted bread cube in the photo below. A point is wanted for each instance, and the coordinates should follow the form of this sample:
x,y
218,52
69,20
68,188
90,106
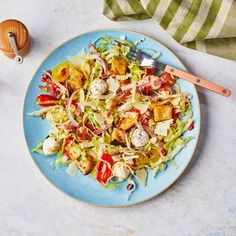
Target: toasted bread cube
x,y
118,66
118,135
127,122
86,165
162,112
76,80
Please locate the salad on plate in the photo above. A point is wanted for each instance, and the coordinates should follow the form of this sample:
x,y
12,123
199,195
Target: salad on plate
x,y
110,117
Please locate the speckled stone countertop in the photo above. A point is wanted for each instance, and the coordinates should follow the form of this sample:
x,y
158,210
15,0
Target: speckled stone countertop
x,y
201,203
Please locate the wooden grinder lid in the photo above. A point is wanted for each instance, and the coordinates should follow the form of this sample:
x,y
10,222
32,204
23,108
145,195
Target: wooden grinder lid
x,y
21,35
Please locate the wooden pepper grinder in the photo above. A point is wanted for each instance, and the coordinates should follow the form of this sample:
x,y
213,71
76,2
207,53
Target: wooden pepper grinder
x,y
14,39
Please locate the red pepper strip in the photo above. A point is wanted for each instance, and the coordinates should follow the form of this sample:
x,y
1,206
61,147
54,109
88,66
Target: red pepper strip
x,y
46,100
191,127
104,171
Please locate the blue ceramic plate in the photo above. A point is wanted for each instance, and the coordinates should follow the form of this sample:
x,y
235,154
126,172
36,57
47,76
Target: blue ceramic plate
x,y
85,188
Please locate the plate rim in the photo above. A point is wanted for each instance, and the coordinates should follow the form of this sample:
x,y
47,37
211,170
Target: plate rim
x,y
199,118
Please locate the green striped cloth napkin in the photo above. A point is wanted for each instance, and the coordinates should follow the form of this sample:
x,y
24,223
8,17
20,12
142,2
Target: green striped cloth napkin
x,y
205,25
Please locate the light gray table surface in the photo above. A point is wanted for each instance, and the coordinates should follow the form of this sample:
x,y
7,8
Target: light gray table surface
x,y
201,203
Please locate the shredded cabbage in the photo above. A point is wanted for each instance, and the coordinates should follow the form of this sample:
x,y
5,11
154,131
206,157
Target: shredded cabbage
x,y
128,98
135,70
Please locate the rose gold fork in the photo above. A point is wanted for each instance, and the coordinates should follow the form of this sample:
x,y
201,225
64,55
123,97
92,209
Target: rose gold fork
x,y
147,61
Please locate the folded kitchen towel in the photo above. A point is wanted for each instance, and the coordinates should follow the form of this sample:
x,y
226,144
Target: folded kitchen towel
x,y
205,25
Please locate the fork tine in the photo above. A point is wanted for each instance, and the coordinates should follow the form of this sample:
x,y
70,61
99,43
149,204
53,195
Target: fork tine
x,y
136,53
133,52
131,57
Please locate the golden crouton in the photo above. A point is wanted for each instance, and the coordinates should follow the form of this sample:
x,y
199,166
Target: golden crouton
x,y
118,66
76,80
127,122
118,135
162,112
86,165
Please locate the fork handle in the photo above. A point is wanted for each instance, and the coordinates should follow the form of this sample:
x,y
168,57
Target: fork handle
x,y
198,81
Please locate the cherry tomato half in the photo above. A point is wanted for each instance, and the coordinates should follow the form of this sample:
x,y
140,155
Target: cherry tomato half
x,y
104,171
